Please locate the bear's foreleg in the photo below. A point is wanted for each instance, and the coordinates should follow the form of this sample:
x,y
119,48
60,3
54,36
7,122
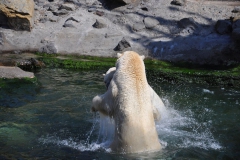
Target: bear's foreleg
x,y
102,104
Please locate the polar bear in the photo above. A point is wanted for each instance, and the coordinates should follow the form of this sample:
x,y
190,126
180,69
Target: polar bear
x,y
128,101
159,109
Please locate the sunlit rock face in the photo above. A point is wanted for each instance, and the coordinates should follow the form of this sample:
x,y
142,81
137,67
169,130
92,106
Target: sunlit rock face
x,y
17,14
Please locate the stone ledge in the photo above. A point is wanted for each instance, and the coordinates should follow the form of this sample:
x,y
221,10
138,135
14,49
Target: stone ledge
x,y
14,72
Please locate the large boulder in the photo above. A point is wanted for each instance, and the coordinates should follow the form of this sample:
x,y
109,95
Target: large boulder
x,y
236,34
223,26
19,14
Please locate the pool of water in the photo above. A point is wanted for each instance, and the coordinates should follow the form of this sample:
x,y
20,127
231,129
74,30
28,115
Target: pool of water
x,y
51,119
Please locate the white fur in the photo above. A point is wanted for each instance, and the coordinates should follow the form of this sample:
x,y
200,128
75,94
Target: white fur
x,y
128,102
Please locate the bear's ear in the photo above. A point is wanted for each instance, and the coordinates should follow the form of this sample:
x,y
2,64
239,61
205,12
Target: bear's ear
x,y
119,55
103,75
143,57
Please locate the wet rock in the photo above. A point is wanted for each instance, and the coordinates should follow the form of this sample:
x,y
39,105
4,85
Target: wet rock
x,y
19,13
68,6
14,72
236,24
236,34
99,24
138,26
150,22
28,64
223,26
123,44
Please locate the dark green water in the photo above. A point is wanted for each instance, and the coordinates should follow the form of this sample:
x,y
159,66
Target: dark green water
x,y
51,119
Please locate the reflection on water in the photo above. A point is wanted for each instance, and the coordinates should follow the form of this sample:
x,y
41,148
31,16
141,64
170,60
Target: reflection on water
x,y
52,120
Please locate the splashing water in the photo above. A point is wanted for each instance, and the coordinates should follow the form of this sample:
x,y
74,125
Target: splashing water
x,y
105,136
106,130
181,130
175,128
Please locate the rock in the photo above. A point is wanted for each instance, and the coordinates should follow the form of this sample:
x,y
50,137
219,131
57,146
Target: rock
x,y
236,10
236,34
69,23
72,19
187,22
92,9
178,2
97,4
150,22
223,26
236,24
99,24
14,72
188,26
36,63
40,2
122,45
1,38
138,26
19,13
128,1
129,6
60,12
28,64
53,19
68,6
144,8
52,8
99,13
48,47
3,20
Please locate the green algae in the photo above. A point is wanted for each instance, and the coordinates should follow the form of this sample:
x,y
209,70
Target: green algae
x,y
165,71
77,62
5,82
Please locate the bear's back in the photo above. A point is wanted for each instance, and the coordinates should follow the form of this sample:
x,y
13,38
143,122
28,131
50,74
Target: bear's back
x,y
135,126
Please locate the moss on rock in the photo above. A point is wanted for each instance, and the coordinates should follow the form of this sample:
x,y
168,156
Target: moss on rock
x,y
165,71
